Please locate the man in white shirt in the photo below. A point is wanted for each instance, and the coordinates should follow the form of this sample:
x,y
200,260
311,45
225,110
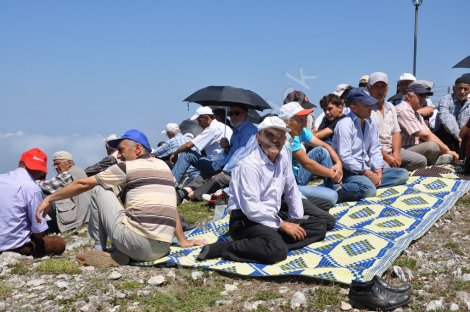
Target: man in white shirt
x,y
258,183
209,141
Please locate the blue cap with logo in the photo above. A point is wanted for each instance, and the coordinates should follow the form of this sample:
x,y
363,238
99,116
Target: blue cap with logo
x,y
360,95
133,135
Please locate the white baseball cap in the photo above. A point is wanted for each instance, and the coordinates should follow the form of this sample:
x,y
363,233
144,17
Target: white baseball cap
x,y
203,110
171,127
376,77
407,76
292,109
340,89
273,122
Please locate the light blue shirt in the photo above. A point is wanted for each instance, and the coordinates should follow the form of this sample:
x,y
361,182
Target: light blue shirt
x,y
359,150
19,198
258,184
240,137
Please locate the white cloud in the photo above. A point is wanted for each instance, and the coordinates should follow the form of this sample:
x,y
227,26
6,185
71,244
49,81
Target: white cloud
x,y
86,150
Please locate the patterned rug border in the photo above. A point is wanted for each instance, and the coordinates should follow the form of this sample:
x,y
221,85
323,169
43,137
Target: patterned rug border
x,y
390,254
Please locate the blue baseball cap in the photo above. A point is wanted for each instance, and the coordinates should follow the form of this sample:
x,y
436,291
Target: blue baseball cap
x,y
360,95
418,89
133,135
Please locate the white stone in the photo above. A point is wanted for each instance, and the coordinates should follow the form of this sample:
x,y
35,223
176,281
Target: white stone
x,y
114,275
196,275
35,282
156,280
465,277
62,285
85,308
230,287
435,305
420,254
88,269
252,305
298,300
120,295
3,306
171,274
454,307
462,295
345,306
115,308
283,289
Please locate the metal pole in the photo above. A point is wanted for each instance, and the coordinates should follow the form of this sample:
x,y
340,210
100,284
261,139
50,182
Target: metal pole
x,y
416,40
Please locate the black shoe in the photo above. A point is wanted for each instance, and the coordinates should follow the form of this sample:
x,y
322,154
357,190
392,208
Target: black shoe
x,y
403,288
186,225
372,295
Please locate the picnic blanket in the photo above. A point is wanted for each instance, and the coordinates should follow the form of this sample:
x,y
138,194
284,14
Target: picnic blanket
x,y
369,235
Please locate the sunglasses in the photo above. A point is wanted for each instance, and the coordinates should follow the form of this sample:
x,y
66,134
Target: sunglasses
x,y
230,114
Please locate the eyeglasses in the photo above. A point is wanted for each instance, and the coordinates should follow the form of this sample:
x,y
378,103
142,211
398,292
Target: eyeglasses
x,y
230,114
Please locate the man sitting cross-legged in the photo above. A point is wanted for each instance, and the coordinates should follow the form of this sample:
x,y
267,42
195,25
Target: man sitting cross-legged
x,y
417,137
143,228
258,183
322,160
356,139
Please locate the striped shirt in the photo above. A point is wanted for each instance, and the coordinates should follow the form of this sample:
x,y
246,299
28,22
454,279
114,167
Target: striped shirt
x,y
410,122
149,196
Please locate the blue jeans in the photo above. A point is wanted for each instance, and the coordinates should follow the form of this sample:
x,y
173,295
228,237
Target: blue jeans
x,y
303,176
193,158
358,186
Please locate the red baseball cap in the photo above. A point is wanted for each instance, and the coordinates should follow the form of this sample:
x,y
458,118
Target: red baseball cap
x,y
35,159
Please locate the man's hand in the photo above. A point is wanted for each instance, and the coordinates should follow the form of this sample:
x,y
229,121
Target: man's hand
x,y
293,230
42,209
374,176
192,242
392,160
337,176
454,155
173,158
224,143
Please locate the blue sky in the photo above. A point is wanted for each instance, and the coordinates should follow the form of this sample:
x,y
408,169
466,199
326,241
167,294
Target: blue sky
x,y
73,72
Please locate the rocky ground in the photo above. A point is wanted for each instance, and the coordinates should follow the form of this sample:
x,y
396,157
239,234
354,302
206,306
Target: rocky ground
x,y
438,265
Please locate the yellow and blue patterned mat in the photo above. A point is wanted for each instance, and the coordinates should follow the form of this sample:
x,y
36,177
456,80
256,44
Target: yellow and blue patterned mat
x,y
369,235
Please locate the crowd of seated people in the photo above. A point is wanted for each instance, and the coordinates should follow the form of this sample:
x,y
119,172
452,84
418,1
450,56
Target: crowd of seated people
x,y
361,142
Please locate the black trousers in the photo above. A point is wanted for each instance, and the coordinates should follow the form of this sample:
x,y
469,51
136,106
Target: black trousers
x,y
254,242
447,138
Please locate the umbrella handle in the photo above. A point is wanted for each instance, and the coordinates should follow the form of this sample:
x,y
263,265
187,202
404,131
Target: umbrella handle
x,y
225,121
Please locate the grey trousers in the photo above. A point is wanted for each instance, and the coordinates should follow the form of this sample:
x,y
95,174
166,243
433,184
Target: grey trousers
x,y
106,221
430,150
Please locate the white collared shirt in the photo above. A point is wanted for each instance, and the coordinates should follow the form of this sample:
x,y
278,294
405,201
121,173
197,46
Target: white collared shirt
x,y
258,184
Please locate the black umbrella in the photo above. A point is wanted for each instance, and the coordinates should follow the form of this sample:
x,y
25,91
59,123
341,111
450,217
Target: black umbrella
x,y
227,96
465,63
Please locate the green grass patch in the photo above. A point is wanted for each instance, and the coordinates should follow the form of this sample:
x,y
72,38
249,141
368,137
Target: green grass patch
x,y
194,298
325,296
406,262
5,291
266,295
455,247
19,268
59,266
195,212
464,201
131,285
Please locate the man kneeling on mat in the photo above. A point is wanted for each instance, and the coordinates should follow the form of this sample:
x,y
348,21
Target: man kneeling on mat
x,y
258,183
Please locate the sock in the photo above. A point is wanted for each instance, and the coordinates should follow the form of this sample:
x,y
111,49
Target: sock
x,y
211,251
